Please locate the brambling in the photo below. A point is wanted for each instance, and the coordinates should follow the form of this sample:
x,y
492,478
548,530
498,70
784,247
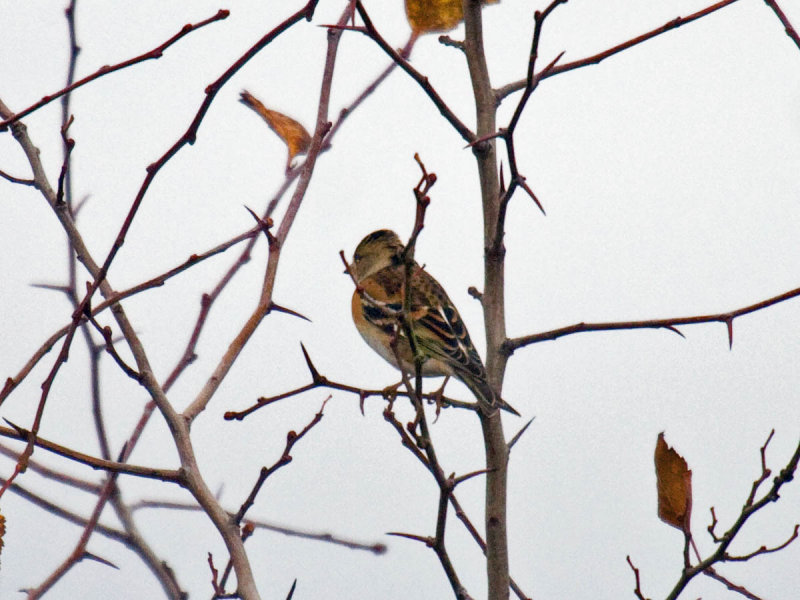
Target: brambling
x,y
440,334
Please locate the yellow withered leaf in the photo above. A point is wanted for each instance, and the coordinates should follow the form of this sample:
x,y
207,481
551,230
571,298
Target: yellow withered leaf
x,y
295,136
428,16
674,482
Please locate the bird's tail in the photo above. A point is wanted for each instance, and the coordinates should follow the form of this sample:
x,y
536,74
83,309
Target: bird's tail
x,y
486,396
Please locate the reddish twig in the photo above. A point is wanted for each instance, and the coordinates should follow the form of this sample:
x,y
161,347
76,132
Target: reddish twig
x,y
291,439
153,54
597,58
710,572
764,549
787,25
765,471
370,31
426,182
218,591
18,180
106,332
638,589
674,24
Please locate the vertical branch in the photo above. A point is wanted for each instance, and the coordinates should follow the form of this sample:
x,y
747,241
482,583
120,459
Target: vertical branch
x,y
322,128
72,263
493,304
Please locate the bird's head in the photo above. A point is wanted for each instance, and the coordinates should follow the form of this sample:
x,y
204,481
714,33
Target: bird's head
x,y
378,250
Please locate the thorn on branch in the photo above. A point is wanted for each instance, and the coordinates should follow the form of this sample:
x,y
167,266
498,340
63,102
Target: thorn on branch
x,y
518,435
521,182
452,481
52,286
80,204
103,561
500,133
675,330
550,66
291,590
315,376
288,311
729,325
265,227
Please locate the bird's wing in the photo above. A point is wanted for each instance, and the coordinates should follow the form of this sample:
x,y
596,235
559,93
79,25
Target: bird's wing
x,y
439,328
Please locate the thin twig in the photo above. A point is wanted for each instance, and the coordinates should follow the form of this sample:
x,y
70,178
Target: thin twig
x,y
513,344
286,457
370,31
787,25
318,380
18,433
597,58
153,54
157,281
720,554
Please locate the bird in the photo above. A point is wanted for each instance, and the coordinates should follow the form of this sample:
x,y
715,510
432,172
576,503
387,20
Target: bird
x,y
442,339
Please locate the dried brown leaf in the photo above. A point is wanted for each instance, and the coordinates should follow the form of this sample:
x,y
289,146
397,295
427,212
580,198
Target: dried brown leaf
x,y
428,16
297,139
674,482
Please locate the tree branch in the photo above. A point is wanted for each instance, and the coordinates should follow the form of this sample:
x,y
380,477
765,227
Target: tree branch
x,y
513,344
153,54
787,25
597,58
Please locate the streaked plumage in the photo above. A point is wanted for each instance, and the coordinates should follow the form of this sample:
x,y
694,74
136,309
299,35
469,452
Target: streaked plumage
x,y
440,333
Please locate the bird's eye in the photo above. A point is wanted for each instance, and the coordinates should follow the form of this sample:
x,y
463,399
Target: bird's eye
x,y
356,257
